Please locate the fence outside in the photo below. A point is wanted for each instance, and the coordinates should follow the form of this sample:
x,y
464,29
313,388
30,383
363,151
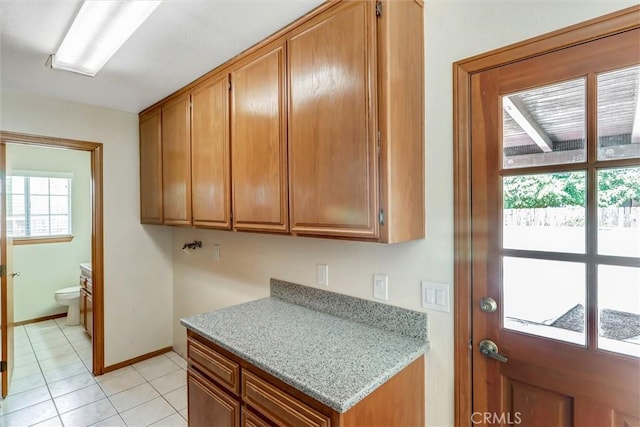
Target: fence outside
x,y
609,217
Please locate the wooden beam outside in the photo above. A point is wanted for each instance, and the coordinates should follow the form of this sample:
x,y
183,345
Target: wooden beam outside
x,y
519,112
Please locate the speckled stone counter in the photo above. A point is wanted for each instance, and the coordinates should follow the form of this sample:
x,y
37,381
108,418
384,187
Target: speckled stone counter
x,y
335,360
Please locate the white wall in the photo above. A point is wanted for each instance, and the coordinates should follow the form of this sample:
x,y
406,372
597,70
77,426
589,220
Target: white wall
x,y
137,259
46,267
454,30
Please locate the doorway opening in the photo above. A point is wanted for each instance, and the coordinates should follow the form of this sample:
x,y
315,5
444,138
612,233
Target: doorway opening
x,y
96,316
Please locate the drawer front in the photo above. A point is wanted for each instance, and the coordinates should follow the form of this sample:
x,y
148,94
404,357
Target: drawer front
x,y
215,365
249,419
278,405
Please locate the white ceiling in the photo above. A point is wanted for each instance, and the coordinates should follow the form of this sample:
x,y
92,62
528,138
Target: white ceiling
x,y
178,43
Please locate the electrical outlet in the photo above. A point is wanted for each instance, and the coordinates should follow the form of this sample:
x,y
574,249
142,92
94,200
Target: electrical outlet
x,y
381,286
322,274
216,252
436,296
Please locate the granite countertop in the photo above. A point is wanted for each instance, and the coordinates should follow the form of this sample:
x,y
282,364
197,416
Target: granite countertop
x,y
334,360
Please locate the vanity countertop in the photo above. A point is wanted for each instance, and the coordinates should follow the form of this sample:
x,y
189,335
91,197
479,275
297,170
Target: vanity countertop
x,y
335,360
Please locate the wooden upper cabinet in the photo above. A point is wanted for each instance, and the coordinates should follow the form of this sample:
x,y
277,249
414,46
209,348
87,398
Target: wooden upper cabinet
x,y
332,123
258,142
176,162
210,163
151,168
320,134
401,120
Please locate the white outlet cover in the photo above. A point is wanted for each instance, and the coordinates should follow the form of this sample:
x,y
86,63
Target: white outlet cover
x,y
381,286
322,274
436,296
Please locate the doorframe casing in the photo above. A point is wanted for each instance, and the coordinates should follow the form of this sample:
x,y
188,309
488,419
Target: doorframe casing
x,y
97,232
607,25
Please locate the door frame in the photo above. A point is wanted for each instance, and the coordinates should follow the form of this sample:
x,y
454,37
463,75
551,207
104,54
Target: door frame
x,y
97,232
607,25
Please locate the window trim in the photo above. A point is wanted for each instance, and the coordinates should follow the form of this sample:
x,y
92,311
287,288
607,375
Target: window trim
x,y
36,240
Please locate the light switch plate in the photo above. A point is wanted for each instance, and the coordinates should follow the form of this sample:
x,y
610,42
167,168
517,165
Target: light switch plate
x,y
381,286
436,296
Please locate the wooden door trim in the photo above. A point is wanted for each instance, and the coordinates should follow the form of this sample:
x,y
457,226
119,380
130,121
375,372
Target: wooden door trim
x,y
587,31
97,233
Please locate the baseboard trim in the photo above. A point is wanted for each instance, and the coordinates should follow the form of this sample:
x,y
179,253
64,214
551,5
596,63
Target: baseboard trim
x,y
40,319
136,359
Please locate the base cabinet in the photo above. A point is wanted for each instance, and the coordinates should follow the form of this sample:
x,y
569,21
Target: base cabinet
x,y
225,390
86,310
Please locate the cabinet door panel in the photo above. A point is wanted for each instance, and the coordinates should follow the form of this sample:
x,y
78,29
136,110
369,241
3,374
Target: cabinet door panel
x,y
332,123
151,168
83,308
176,162
89,314
210,406
210,154
258,143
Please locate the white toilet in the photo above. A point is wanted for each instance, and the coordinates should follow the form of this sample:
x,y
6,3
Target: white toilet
x,y
70,296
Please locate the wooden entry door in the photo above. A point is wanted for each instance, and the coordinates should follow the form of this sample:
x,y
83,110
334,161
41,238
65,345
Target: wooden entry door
x,y
555,237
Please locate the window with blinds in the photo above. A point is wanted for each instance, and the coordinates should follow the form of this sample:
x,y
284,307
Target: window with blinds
x,y
39,205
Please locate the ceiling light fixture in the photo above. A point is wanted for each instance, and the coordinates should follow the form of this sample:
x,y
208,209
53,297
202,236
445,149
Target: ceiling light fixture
x,y
97,32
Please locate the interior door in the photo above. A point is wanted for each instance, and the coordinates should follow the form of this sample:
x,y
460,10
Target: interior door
x,y
556,252
6,281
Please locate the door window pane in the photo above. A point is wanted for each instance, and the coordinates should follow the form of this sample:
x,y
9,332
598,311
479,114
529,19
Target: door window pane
x,y
619,212
544,298
619,309
544,212
619,114
545,125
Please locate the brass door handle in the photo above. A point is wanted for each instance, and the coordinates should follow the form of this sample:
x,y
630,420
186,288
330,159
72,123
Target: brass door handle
x,y
490,349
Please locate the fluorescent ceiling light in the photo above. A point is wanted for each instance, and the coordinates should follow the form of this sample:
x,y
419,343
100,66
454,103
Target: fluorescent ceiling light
x,y
99,30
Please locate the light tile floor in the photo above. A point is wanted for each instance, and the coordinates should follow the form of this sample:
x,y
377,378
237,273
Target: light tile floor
x,y
52,384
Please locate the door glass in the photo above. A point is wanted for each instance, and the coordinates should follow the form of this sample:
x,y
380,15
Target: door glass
x,y
619,212
544,125
619,309
544,298
619,114
544,212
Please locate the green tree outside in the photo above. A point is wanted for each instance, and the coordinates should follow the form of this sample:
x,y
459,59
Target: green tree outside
x,y
617,187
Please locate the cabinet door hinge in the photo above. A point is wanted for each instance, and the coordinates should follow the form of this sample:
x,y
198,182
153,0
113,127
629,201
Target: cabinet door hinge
x,y
378,144
2,270
381,217
229,84
3,366
379,9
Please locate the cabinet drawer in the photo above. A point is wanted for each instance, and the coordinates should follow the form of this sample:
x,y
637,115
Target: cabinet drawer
x,y
215,365
250,419
278,405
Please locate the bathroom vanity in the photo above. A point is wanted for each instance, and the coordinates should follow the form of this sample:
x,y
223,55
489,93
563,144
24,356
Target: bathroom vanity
x,y
86,298
306,357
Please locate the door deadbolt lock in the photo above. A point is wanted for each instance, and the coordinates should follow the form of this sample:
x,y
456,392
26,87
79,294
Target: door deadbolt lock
x,y
490,349
488,305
